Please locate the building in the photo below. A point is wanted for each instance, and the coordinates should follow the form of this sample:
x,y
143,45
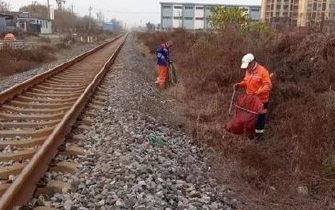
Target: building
x,y
35,25
299,12
23,21
194,16
9,21
107,26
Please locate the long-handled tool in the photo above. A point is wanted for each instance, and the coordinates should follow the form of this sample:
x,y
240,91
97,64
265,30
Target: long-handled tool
x,y
231,101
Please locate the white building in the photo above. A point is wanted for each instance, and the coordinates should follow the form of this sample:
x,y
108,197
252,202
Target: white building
x,y
195,16
31,24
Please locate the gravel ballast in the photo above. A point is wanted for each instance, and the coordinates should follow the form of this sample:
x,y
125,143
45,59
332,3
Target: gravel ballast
x,y
134,158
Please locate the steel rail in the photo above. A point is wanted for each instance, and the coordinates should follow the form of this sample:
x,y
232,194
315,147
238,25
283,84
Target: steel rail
x,y
20,191
19,88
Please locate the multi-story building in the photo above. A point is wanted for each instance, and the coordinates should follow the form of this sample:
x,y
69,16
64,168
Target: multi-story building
x,y
299,12
193,16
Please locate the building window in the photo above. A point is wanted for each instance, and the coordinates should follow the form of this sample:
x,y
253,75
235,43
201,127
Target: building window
x,y
188,18
254,9
199,18
166,7
178,7
188,7
199,8
177,18
323,6
166,17
46,24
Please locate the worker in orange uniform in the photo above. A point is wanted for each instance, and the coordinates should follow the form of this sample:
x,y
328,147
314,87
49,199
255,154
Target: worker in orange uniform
x,y
257,81
163,60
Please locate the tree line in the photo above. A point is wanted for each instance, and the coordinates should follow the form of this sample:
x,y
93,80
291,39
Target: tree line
x,y
66,20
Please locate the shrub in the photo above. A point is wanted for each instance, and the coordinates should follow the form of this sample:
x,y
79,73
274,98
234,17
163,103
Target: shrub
x,y
16,61
300,133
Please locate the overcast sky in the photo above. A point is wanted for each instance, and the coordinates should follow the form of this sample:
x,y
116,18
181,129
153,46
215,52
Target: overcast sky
x,y
132,12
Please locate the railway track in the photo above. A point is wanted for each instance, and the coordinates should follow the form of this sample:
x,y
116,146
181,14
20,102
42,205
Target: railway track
x,y
36,115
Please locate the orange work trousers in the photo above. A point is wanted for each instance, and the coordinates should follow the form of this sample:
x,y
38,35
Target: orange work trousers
x,y
163,70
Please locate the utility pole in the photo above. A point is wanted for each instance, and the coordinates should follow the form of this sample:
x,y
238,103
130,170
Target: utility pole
x,y
73,28
49,10
89,24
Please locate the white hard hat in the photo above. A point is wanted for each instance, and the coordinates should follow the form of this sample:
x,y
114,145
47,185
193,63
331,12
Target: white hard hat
x,y
246,60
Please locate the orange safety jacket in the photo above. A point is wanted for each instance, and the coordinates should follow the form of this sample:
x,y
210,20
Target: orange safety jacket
x,y
257,82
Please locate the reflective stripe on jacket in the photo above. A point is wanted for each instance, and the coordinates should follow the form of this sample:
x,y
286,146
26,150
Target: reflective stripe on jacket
x,y
258,82
162,55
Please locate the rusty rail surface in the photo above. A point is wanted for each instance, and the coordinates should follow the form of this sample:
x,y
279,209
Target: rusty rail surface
x,y
36,115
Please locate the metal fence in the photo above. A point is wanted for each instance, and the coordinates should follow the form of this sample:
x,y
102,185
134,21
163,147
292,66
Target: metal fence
x,y
19,44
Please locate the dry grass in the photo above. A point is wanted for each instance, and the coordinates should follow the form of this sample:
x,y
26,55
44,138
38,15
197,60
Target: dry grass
x,y
16,61
300,134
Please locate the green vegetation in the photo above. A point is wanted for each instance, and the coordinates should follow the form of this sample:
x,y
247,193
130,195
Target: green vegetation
x,y
222,17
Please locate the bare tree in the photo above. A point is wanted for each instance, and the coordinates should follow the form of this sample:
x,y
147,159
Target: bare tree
x,y
36,10
100,17
64,20
4,6
117,25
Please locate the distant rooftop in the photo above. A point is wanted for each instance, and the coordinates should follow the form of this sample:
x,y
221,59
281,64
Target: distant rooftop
x,y
9,13
26,15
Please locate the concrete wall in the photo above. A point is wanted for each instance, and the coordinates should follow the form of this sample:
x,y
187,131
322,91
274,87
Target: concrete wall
x,y
166,16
